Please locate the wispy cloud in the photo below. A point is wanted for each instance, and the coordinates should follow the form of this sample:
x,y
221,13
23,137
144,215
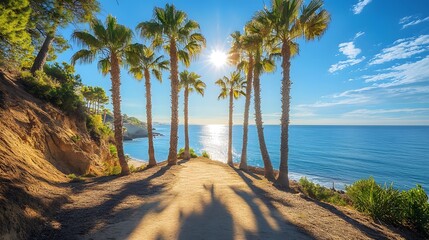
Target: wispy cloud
x,y
376,112
411,20
406,80
346,99
407,73
357,35
343,64
351,52
358,7
402,48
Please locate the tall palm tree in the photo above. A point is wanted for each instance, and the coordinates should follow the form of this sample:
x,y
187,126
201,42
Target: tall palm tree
x,y
232,87
182,40
107,42
290,20
144,61
241,55
259,35
190,82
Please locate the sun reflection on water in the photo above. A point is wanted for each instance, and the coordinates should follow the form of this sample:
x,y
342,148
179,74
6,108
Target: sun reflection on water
x,y
214,140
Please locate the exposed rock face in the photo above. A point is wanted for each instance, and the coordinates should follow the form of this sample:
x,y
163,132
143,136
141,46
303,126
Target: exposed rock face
x,y
134,131
37,150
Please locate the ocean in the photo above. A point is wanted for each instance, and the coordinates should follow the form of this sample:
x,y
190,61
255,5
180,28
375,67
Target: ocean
x,y
326,155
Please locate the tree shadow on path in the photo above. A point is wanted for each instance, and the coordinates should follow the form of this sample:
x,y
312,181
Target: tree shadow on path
x,y
78,221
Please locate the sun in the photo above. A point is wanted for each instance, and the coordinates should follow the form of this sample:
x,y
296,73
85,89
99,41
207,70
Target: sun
x,y
218,58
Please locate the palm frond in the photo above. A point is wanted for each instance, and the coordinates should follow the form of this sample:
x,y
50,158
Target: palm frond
x,y
184,57
85,39
316,25
104,66
137,72
157,74
83,56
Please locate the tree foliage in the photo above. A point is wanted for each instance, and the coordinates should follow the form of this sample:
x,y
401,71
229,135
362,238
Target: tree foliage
x,y
58,85
95,98
15,41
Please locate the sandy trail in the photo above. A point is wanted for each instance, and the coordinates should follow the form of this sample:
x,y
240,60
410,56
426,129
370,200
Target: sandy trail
x,y
202,199
204,203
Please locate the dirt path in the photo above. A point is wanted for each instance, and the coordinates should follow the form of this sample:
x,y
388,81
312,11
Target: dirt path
x,y
201,199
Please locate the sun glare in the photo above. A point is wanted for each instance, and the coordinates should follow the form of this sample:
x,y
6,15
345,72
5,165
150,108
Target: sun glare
x,y
218,58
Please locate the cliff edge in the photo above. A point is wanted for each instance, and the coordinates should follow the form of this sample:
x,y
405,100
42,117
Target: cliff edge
x,y
39,146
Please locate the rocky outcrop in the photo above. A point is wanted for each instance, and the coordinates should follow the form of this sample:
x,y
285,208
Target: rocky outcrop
x,y
39,145
134,131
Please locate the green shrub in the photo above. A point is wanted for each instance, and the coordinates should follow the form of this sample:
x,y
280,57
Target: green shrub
x,y
182,151
382,203
59,92
75,138
205,154
96,128
416,209
321,193
112,167
74,178
113,150
408,208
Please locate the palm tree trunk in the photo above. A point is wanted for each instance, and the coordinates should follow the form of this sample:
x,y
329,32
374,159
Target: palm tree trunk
x,y
151,151
231,106
172,154
243,160
186,155
41,57
268,167
283,178
117,122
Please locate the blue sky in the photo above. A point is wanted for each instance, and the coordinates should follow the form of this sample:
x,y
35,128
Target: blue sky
x,y
370,68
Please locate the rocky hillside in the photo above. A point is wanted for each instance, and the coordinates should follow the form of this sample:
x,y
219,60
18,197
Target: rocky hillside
x,y
39,146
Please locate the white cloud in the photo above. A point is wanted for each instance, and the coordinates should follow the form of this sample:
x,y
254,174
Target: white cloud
x,y
373,112
347,100
349,49
358,35
351,52
407,73
411,20
405,19
402,48
343,64
358,7
405,83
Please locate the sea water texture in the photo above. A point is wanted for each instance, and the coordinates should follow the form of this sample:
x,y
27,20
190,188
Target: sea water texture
x,y
326,155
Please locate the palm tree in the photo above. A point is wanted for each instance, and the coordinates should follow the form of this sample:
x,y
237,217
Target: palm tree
x,y
182,41
259,35
290,20
189,82
144,61
241,54
232,87
108,43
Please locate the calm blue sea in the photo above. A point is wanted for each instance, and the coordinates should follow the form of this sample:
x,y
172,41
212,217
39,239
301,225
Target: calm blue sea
x,y
324,154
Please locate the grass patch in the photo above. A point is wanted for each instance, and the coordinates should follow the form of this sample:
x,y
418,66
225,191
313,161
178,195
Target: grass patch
x,y
182,152
205,154
381,203
407,208
112,168
113,151
321,193
74,178
136,169
75,138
